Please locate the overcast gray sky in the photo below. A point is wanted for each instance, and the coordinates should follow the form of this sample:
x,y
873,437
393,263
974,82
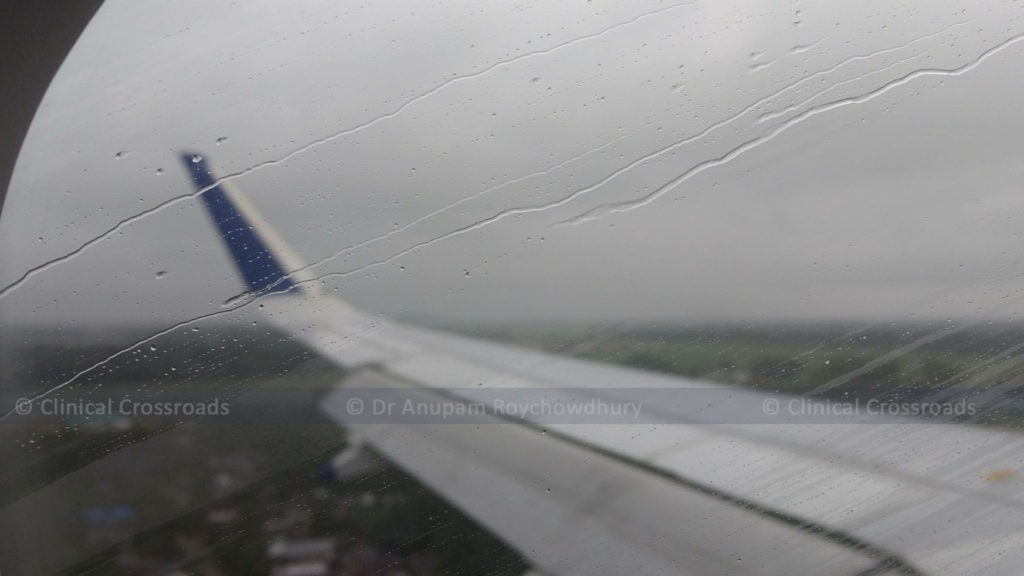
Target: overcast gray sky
x,y
751,160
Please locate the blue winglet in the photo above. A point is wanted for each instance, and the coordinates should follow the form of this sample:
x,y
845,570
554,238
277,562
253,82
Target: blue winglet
x,y
254,260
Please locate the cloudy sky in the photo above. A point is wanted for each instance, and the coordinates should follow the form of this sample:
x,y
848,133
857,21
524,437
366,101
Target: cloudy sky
x,y
580,161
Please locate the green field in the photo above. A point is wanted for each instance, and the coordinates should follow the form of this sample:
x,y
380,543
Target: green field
x,y
840,362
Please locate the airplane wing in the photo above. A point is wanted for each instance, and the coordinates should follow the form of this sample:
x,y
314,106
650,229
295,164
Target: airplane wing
x,y
676,493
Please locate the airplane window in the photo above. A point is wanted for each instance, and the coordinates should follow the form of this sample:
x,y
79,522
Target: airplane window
x,y
519,288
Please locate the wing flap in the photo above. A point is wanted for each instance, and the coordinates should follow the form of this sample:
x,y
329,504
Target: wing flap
x,y
574,510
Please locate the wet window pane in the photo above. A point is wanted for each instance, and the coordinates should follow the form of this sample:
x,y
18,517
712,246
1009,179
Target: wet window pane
x,y
490,288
